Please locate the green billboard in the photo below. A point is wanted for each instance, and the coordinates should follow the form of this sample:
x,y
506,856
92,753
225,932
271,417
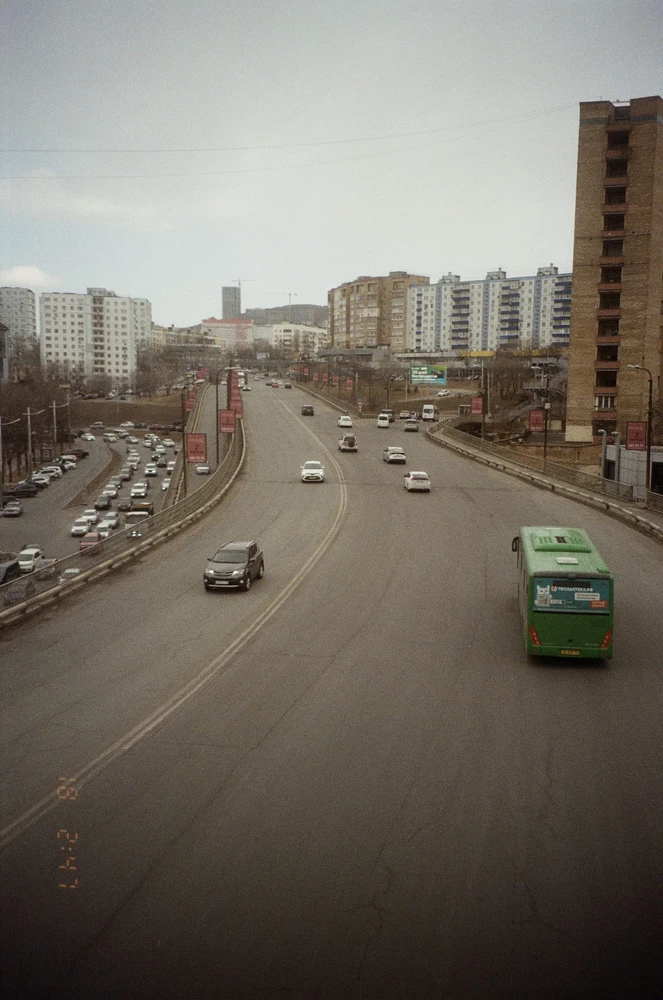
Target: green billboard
x,y
428,374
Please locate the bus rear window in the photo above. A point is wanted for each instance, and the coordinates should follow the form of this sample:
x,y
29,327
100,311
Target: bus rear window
x,y
570,595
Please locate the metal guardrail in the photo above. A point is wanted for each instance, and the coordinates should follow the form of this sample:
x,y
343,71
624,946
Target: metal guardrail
x,y
607,487
124,541
654,501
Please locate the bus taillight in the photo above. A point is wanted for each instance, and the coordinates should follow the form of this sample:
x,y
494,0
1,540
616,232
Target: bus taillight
x,y
607,639
533,636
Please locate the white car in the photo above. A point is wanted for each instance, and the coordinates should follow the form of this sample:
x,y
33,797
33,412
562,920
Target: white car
x,y
127,423
150,470
444,392
344,421
417,481
104,529
165,483
91,515
81,526
394,455
168,443
138,491
30,559
202,470
110,491
313,472
88,437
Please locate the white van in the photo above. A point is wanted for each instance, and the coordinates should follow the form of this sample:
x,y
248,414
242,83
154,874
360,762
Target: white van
x,y
383,420
428,412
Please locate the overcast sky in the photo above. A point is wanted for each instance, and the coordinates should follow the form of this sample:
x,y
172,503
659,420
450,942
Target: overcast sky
x,y
164,148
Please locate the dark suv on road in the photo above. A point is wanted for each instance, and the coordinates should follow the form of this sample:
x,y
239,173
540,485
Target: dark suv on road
x,y
236,564
308,411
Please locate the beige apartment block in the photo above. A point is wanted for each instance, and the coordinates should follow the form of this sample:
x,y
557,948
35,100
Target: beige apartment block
x,y
372,312
616,309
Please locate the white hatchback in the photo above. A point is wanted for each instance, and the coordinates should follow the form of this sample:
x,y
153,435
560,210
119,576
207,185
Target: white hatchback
x,y
418,481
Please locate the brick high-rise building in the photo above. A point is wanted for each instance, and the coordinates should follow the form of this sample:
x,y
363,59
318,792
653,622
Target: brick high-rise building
x,y
616,310
371,312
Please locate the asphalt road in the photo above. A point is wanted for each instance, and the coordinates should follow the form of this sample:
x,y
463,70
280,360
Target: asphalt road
x,y
350,781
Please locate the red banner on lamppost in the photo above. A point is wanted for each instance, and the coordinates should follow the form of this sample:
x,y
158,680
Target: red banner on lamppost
x,y
227,421
237,407
477,405
349,383
315,376
334,380
306,371
325,376
636,435
536,420
196,447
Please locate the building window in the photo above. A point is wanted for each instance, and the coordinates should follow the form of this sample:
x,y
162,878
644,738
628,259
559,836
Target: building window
x,y
606,379
604,402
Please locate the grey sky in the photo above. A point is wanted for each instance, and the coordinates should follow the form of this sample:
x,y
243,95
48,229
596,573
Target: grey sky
x,y
492,88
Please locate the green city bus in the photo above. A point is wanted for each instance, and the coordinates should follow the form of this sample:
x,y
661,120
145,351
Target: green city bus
x,y
565,592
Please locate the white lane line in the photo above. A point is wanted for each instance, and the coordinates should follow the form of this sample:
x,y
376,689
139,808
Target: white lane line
x,y
161,714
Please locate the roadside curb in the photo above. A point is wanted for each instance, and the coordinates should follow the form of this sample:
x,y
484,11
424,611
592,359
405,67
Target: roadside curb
x,y
547,483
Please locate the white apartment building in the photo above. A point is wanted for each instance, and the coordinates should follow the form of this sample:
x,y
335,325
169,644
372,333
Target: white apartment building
x,y
227,334
298,338
18,312
454,315
98,333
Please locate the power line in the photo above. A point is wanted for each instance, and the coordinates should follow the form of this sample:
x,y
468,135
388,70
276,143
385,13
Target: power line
x,y
499,123
510,119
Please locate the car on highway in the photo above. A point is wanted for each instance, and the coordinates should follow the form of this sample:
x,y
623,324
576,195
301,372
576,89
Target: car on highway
x,y
87,541
312,472
404,415
348,442
411,425
126,472
165,483
91,514
20,491
150,470
417,482
88,437
30,558
13,508
203,470
104,529
245,388
110,491
394,455
18,591
9,567
124,504
139,490
389,412
307,410
110,438
444,392
116,480
288,385
162,462
168,443
112,518
383,421
80,527
102,503
170,468
344,421
132,440
236,564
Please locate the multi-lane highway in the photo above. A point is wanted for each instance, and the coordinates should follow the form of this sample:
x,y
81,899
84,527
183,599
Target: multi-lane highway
x,y
349,782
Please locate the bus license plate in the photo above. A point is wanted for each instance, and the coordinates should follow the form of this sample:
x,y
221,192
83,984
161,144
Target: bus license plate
x,y
569,652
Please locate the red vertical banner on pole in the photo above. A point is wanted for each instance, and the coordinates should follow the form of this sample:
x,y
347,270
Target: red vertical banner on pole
x,y
196,447
227,421
536,420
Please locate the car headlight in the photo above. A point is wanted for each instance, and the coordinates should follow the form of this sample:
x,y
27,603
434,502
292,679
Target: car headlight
x,y
209,572
238,572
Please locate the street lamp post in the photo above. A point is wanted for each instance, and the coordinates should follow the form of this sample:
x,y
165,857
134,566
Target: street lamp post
x,y
649,423
2,459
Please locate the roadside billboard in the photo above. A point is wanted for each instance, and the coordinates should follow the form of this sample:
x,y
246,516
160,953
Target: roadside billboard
x,y
636,435
227,421
196,447
477,405
536,420
428,374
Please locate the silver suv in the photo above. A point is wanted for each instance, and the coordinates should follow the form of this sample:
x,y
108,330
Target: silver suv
x,y
236,564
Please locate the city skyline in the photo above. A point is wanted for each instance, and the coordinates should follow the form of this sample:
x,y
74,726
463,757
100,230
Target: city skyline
x,y
447,144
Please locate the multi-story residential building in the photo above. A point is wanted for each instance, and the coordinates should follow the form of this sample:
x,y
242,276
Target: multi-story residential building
x,y
298,338
616,313
231,302
227,334
295,312
371,312
97,333
18,312
496,312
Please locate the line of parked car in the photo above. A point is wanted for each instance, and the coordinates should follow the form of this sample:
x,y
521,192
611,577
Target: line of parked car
x,y
39,480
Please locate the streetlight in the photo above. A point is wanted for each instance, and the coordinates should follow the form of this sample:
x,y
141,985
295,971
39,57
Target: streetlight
x,y
649,423
2,460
